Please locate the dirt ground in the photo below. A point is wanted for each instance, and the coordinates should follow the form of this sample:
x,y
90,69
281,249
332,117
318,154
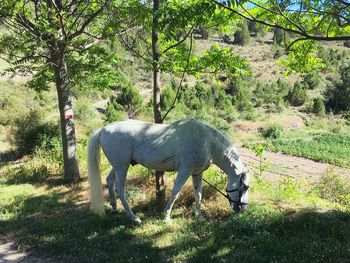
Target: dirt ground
x,y
297,168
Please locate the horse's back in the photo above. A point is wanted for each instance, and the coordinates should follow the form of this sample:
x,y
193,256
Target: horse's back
x,y
184,142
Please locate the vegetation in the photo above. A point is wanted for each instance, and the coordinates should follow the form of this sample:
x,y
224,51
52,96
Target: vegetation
x,y
110,65
242,35
330,148
54,219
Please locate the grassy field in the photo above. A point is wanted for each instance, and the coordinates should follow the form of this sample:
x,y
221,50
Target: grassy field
x,y
286,221
330,148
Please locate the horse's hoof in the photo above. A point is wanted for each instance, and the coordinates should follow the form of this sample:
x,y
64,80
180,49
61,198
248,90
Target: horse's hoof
x,y
137,220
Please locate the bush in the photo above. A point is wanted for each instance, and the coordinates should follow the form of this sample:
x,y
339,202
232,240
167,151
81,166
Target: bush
x,y
271,95
128,97
83,110
338,95
297,96
242,35
272,132
312,80
278,51
331,187
318,107
167,97
347,43
281,37
114,112
31,132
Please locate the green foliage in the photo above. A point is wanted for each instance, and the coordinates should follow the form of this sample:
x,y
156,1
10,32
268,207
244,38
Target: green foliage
x,y
114,111
347,43
281,37
297,96
167,97
83,110
271,95
204,32
278,51
274,131
338,95
333,188
302,59
312,80
242,35
31,132
318,107
331,148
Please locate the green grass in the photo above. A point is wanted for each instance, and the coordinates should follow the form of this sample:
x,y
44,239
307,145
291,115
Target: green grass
x,y
330,148
285,222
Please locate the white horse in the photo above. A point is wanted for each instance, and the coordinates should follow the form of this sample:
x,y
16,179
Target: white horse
x,y
188,147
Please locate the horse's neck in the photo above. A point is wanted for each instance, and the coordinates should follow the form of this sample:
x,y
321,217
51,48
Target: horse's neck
x,y
225,156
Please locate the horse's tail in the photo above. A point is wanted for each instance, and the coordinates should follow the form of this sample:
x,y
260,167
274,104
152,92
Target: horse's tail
x,y
96,191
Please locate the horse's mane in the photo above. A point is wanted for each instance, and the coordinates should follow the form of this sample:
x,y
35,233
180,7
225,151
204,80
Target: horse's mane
x,y
220,138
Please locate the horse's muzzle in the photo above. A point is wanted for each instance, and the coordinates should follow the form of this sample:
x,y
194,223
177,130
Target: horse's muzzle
x,y
240,208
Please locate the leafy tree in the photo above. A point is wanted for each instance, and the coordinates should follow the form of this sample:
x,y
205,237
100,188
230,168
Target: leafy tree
x,y
318,107
169,27
44,37
306,20
242,35
338,95
281,37
297,96
312,80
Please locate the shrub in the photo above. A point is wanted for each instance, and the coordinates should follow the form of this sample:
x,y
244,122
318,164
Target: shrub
x,y
347,43
226,39
297,96
272,132
114,112
281,37
312,80
83,110
242,35
338,95
333,188
31,132
278,51
128,97
167,97
318,107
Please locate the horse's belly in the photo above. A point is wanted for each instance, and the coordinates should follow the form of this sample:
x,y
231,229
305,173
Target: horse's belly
x,y
166,164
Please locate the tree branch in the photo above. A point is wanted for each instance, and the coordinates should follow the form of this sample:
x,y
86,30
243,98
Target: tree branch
x,y
182,78
298,32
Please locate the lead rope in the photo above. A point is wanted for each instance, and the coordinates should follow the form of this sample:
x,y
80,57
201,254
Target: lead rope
x,y
226,195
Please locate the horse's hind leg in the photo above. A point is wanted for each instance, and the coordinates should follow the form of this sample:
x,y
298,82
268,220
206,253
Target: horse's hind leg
x,y
111,182
197,188
120,180
181,178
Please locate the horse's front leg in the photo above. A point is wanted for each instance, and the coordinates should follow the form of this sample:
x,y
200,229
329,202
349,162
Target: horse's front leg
x,y
120,180
111,181
181,178
197,189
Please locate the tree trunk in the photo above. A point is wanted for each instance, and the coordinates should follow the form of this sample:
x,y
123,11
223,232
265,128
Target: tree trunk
x,y
160,186
70,160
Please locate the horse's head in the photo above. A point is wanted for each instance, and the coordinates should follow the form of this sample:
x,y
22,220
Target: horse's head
x,y
237,191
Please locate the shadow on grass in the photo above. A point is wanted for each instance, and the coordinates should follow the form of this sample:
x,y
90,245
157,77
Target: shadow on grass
x,y
70,233
306,236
